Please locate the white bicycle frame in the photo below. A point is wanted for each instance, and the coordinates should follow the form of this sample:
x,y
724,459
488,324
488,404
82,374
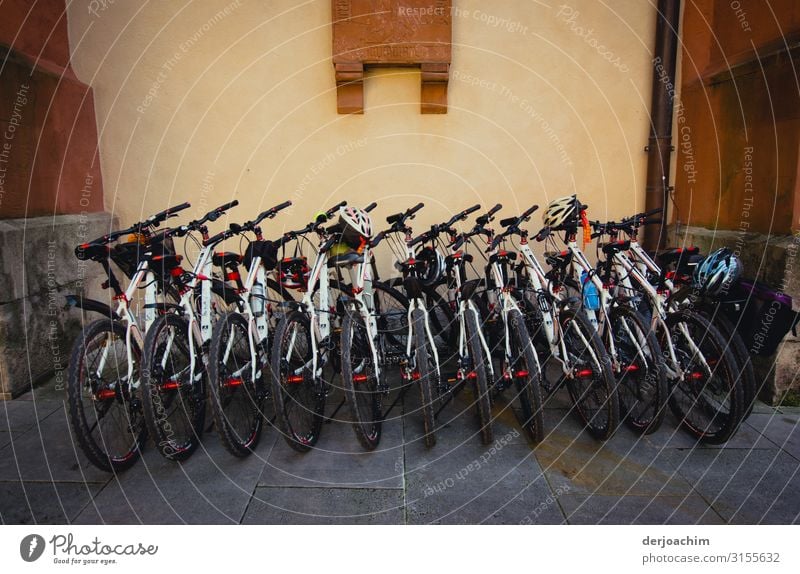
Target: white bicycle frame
x,y
257,324
633,269
418,303
541,286
465,307
507,305
126,315
199,332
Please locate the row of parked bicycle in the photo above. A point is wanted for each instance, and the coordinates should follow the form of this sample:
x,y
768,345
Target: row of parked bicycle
x,y
629,336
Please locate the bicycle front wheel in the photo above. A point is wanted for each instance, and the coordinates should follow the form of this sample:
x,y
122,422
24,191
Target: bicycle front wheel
x,y
591,386
299,402
642,378
707,397
360,380
173,392
477,376
526,371
237,384
424,369
105,408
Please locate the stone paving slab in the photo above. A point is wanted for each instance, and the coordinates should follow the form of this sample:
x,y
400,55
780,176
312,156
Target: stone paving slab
x,y
339,461
624,465
212,487
462,481
783,430
20,416
43,502
282,505
671,435
47,452
754,487
601,509
663,478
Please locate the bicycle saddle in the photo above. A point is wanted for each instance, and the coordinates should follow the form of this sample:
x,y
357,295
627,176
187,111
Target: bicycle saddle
x,y
345,259
226,258
672,255
616,247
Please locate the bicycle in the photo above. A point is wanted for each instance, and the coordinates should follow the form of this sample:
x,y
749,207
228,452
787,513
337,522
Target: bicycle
x,y
561,331
103,384
519,362
473,363
419,361
240,345
629,339
304,344
706,394
174,373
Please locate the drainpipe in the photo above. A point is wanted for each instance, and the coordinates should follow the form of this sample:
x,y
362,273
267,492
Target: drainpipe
x,y
659,150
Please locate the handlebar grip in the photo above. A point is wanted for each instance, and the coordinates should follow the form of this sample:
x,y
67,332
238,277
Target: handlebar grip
x,y
529,211
655,211
651,222
219,237
173,210
335,208
370,207
415,209
227,206
495,209
457,243
377,239
418,239
466,212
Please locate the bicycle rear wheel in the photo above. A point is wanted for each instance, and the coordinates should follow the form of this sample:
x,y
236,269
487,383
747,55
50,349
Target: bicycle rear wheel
x,y
174,404
299,402
105,408
237,397
642,387
708,397
592,386
360,381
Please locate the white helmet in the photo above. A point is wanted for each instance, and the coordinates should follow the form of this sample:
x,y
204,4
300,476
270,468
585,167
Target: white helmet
x,y
356,224
560,211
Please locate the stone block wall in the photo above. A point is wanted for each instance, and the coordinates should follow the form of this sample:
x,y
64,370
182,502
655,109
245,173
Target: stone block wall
x,y
37,270
774,260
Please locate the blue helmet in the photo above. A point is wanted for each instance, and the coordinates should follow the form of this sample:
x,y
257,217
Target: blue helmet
x,y
718,272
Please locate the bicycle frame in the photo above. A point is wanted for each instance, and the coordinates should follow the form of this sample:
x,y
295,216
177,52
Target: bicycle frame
x,y
547,298
126,315
417,302
458,279
507,305
658,300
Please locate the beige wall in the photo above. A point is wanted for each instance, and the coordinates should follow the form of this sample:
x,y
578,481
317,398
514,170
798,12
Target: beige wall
x,y
249,109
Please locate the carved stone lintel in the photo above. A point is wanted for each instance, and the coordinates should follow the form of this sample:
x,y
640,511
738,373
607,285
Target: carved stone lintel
x,y
373,33
350,87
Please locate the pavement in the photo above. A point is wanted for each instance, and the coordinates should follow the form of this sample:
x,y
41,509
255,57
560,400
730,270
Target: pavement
x,y
663,478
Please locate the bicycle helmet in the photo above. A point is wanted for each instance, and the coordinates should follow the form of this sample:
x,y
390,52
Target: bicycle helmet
x,y
717,272
356,226
434,265
560,211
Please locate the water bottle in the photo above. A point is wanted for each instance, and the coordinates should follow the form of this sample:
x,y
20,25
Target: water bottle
x,y
257,299
591,298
